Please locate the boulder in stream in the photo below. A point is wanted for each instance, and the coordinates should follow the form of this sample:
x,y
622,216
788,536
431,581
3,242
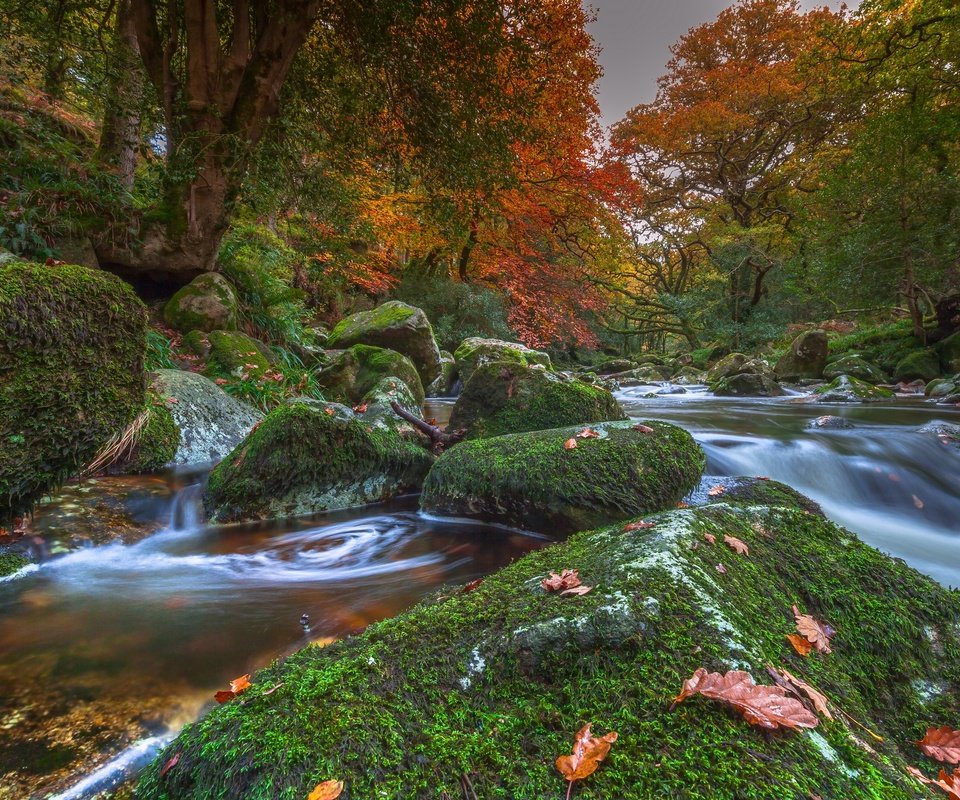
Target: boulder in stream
x,y
351,373
856,366
846,389
493,682
806,357
506,397
476,351
539,482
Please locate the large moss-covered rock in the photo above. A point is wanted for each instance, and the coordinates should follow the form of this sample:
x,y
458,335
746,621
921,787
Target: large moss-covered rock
x,y
207,303
806,357
949,352
856,367
505,397
234,354
531,481
845,389
307,457
157,442
492,684
922,364
747,384
71,373
731,364
211,422
394,326
477,351
351,373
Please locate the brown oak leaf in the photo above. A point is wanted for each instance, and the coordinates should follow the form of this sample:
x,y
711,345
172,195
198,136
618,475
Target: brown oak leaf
x,y
642,525
170,765
801,645
949,783
717,490
764,706
815,632
570,444
737,545
588,752
643,428
801,689
568,579
588,433
578,590
942,743
711,539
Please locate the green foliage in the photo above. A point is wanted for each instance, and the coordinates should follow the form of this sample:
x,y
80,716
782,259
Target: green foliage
x,y
159,353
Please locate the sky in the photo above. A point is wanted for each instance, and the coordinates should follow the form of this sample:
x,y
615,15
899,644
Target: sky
x,y
635,37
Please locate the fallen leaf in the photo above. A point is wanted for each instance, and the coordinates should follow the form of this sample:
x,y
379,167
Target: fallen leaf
x,y
801,645
681,504
221,381
642,525
570,444
721,569
800,688
643,428
272,689
329,411
170,765
941,743
764,706
588,752
813,631
360,409
471,586
711,539
567,579
762,478
717,490
949,783
918,775
328,790
917,502
237,686
737,545
581,589
588,433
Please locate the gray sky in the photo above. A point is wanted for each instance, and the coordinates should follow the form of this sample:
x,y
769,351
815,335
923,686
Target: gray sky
x,y
635,36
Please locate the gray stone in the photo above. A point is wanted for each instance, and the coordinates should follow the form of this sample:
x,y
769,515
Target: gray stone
x,y
806,357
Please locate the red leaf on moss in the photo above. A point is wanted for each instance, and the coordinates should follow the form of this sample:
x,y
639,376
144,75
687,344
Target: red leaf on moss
x,y
588,433
170,765
813,631
642,525
588,752
737,545
801,645
941,743
643,428
570,444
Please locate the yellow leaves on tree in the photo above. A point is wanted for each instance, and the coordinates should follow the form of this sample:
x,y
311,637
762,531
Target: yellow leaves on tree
x,y
764,706
588,752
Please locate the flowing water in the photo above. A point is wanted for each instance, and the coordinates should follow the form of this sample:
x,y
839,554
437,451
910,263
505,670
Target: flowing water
x,y
108,648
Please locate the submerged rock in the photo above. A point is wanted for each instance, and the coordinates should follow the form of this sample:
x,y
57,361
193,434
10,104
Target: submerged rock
x,y
211,422
532,481
207,303
504,397
394,326
306,457
494,683
476,351
71,373
351,373
851,390
806,357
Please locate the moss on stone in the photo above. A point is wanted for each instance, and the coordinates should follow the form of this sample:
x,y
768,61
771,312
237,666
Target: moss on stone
x,y
206,304
493,684
760,491
856,367
475,351
354,372
11,562
529,480
846,389
233,354
503,397
71,373
923,364
307,457
159,439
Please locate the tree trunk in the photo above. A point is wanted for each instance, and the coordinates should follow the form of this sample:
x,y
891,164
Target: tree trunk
x,y
467,250
120,136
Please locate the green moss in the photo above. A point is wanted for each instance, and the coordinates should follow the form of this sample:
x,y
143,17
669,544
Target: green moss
x,y
159,440
530,480
503,397
308,457
846,389
11,562
71,373
922,364
760,491
233,354
494,683
207,303
356,371
475,352
385,316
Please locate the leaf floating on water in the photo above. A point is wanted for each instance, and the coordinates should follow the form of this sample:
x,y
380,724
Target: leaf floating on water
x,y
717,490
711,539
813,631
942,743
328,790
801,645
568,579
570,444
237,686
588,433
170,764
588,752
642,525
737,545
763,706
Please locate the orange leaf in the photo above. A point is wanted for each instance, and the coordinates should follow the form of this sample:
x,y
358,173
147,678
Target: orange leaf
x,y
813,631
581,589
950,783
328,790
241,684
737,545
568,579
329,411
588,752
764,706
569,444
360,409
681,504
643,428
717,490
223,695
801,645
588,433
711,539
942,743
800,687
642,525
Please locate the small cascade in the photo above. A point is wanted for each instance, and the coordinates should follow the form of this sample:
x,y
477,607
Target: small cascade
x,y
186,510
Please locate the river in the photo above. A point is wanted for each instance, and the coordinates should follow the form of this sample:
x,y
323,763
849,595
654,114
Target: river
x,y
108,649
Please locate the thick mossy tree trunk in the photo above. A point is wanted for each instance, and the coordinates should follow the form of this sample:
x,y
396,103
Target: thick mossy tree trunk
x,y
217,73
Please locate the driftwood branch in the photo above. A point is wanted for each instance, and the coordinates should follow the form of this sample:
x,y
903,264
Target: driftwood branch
x,y
440,439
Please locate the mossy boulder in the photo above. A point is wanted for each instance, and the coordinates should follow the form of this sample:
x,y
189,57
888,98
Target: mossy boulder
x,y
949,352
207,303
307,457
747,384
806,357
856,367
11,561
641,376
846,389
351,373
211,422
614,365
492,684
71,373
731,364
750,491
477,351
942,387
157,443
689,376
531,481
234,354
394,326
506,397
923,364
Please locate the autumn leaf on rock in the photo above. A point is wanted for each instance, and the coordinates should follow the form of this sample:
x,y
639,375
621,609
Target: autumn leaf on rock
x,y
328,790
237,686
570,444
764,706
170,765
801,645
642,525
813,631
360,409
711,539
942,743
577,590
588,433
801,689
568,579
329,411
681,504
643,428
473,585
950,783
717,490
737,545
588,752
